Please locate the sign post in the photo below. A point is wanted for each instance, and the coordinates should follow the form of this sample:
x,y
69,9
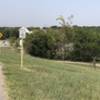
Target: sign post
x,y
22,36
21,52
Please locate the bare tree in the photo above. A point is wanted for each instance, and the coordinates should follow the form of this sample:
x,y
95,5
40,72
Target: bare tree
x,y
66,31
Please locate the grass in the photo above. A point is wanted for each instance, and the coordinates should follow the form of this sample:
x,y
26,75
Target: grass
x,y
42,79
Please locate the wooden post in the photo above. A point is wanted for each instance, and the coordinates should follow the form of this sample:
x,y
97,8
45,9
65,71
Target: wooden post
x,y
22,36
22,53
94,62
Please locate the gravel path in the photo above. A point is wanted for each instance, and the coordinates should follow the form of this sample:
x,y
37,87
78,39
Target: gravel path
x,y
3,94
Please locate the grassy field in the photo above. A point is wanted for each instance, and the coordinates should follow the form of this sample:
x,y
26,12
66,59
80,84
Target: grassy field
x,y
42,79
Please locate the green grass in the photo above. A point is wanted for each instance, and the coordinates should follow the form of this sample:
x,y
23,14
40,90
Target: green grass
x,y
42,79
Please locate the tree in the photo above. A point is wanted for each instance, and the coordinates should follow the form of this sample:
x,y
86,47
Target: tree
x,y
86,45
45,43
67,33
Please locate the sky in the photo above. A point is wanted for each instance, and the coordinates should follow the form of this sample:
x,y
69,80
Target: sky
x,y
44,12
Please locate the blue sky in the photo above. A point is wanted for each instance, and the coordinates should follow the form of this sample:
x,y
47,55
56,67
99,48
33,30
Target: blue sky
x,y
45,12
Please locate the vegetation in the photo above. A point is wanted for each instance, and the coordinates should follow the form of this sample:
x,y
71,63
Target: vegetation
x,y
9,32
77,43
64,43
86,45
46,44
42,79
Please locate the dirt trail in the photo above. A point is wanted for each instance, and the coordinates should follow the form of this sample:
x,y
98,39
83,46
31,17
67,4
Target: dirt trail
x,y
3,93
83,63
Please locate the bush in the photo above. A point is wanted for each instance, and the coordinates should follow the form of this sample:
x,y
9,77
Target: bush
x,y
86,45
45,43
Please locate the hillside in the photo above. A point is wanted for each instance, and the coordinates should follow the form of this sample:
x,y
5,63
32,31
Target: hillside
x,y
42,79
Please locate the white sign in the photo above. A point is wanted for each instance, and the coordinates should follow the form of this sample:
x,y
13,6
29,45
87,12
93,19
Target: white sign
x,y
22,33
